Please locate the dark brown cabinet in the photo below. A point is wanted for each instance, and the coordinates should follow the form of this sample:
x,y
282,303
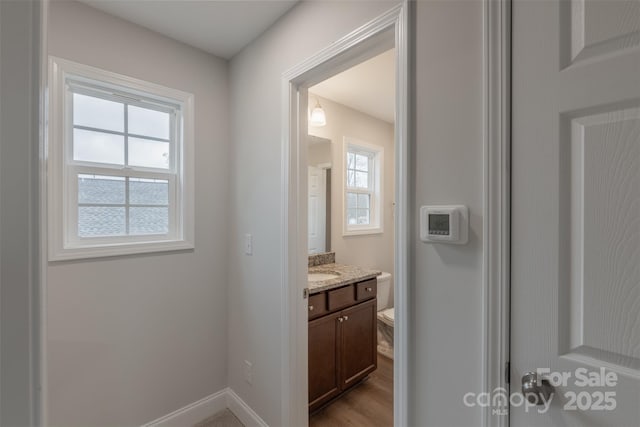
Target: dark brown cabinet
x,y
342,343
324,360
358,342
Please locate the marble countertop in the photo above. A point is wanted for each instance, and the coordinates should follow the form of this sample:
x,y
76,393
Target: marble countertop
x,y
347,274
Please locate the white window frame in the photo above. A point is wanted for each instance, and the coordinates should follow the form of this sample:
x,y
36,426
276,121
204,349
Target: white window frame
x,y
62,191
376,168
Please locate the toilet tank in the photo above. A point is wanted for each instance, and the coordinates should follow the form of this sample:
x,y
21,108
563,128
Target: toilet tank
x,y
385,291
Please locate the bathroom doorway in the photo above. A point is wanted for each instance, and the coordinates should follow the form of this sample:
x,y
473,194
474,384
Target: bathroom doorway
x,y
350,226
363,212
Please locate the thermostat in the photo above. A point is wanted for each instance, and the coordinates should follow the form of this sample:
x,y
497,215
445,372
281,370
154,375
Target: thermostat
x,y
444,224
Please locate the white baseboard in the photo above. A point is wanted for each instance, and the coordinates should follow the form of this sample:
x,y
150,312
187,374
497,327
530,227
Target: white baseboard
x,y
194,412
240,409
208,406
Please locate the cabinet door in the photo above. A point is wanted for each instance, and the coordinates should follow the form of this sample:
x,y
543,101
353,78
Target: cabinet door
x,y
358,343
324,363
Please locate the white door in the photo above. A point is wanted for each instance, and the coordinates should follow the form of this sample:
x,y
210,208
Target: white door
x,y
576,209
317,210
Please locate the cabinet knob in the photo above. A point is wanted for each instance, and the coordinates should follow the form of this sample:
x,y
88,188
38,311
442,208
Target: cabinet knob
x,y
310,308
346,317
340,319
368,289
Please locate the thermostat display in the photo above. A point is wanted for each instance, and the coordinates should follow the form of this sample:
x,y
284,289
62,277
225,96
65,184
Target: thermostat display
x,y
439,224
444,224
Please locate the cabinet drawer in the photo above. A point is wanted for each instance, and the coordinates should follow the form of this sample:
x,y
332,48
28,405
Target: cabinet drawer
x,y
341,297
317,305
366,290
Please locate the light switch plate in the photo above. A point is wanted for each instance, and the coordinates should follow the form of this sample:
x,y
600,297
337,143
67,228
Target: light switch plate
x,y
248,372
248,244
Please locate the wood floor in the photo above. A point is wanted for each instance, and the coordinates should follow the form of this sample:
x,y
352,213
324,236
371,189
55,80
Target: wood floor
x,y
368,404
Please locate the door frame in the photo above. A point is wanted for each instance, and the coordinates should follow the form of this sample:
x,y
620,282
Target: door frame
x,y
387,30
496,280
42,408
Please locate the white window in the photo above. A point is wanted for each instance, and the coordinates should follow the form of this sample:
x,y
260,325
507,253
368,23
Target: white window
x,y
120,164
362,187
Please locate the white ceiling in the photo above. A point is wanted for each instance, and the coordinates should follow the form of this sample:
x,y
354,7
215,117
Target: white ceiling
x,y
368,87
224,27
220,27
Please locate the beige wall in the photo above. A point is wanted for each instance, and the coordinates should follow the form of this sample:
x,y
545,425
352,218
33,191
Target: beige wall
x,y
370,250
445,288
134,338
255,282
319,153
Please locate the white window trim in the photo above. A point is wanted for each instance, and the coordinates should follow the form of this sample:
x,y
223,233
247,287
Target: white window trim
x,y
61,246
376,214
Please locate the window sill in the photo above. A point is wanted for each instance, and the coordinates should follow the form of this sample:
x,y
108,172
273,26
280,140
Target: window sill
x,y
362,231
118,249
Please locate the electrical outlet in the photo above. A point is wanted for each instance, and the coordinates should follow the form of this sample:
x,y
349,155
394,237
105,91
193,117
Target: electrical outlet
x,y
248,372
248,244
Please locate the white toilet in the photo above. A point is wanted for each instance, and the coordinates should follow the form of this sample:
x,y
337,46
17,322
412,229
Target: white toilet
x,y
385,315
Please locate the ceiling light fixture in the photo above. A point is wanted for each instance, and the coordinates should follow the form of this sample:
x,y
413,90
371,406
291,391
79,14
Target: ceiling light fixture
x,y
318,117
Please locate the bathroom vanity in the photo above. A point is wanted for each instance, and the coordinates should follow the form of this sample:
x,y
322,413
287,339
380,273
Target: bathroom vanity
x,y
342,330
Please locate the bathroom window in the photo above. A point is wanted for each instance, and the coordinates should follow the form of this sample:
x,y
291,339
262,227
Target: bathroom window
x,y
362,187
119,166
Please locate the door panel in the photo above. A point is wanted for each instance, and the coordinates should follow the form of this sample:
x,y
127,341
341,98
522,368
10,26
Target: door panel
x,y
317,210
324,383
595,28
605,217
359,346
576,206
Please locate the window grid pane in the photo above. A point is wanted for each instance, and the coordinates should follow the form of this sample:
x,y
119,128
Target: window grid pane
x,y
362,180
363,200
111,206
358,170
358,208
352,216
352,200
351,178
148,220
148,192
101,190
148,153
97,113
101,221
362,163
98,147
108,132
351,161
363,216
147,122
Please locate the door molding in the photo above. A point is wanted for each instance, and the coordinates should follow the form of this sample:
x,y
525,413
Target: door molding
x,y
42,408
388,29
497,201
